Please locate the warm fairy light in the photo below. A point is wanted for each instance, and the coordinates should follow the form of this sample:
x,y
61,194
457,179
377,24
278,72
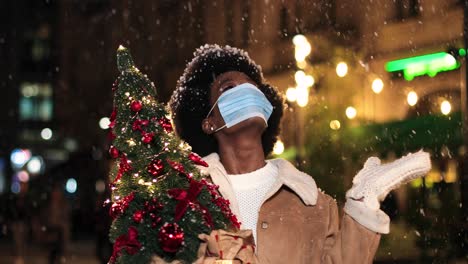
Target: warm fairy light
x,y
302,94
341,69
131,142
335,124
377,85
351,112
299,77
278,148
303,80
309,80
302,48
445,107
412,98
301,64
291,95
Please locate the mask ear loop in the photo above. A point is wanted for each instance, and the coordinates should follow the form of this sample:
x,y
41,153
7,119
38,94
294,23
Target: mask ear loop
x,y
211,110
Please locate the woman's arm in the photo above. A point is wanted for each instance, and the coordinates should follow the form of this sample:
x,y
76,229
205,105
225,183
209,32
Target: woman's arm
x,y
349,242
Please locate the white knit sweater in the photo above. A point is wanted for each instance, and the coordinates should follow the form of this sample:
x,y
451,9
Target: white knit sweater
x,y
250,190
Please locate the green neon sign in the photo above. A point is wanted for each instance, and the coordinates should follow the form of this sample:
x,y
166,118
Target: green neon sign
x,y
429,64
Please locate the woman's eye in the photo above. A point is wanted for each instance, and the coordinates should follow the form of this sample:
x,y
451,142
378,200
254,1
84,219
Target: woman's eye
x,y
227,87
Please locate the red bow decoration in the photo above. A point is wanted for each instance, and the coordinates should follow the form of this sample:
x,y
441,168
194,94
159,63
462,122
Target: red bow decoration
x,y
120,206
166,124
128,241
188,198
124,166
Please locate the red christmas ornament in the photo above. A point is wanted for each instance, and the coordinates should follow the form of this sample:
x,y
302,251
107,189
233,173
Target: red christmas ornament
x,y
115,210
171,237
197,160
138,216
136,106
156,168
147,138
113,152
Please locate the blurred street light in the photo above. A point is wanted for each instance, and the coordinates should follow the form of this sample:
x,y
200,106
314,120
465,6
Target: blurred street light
x,y
335,124
351,112
278,148
445,107
19,157
302,47
291,94
71,185
302,96
412,98
377,85
341,69
104,123
35,165
46,133
23,176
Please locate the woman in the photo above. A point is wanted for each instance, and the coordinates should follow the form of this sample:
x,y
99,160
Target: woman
x,y
224,109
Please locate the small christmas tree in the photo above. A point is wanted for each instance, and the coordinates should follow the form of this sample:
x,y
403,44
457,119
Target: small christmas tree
x,y
160,202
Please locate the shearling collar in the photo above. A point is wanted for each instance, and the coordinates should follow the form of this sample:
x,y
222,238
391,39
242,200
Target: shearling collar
x,y
301,183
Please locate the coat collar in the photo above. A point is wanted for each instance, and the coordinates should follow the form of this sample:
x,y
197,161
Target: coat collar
x,y
299,182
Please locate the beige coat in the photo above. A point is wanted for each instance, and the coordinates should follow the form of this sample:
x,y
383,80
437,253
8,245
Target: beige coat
x,y
298,224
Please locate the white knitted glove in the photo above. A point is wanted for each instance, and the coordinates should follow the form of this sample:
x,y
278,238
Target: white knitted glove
x,y
375,181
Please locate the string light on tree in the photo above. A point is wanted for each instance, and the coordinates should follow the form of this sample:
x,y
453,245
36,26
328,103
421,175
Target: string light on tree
x,y
377,85
351,112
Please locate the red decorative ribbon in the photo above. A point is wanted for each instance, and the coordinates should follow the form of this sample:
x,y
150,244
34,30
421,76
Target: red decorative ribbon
x,y
188,198
128,241
197,160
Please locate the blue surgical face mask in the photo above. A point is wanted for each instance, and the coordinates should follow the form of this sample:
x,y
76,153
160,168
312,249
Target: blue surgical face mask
x,y
240,103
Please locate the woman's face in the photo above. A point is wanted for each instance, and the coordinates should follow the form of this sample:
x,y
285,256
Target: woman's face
x,y
221,84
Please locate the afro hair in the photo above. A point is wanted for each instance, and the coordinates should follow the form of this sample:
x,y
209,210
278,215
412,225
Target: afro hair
x,y
190,102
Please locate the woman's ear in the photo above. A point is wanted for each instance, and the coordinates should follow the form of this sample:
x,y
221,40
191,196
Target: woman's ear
x,y
207,126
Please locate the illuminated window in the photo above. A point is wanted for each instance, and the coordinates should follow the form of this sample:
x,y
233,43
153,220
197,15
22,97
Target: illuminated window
x,y
35,101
